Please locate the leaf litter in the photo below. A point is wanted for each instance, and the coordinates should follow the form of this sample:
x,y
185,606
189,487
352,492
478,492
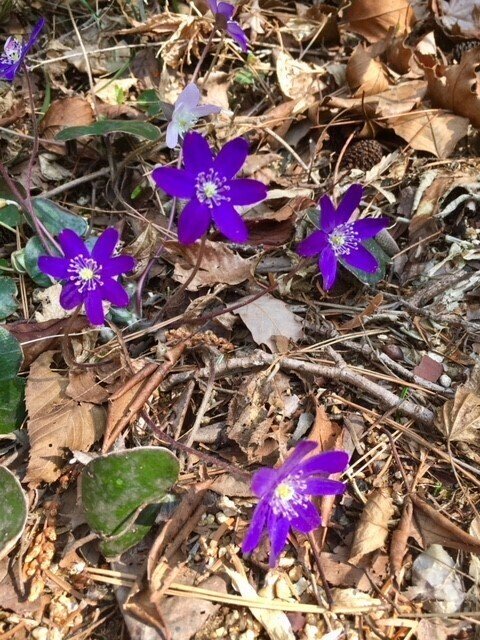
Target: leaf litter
x,y
237,348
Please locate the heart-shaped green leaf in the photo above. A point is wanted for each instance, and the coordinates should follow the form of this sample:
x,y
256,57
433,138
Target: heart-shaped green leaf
x,y
12,404
31,253
13,513
56,218
112,548
8,300
143,130
116,487
11,356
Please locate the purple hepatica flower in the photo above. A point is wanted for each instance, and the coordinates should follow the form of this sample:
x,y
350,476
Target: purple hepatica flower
x,y
90,276
285,496
339,239
210,185
186,113
223,12
14,53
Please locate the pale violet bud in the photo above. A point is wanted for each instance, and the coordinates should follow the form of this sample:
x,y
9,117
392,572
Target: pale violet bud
x,y
186,112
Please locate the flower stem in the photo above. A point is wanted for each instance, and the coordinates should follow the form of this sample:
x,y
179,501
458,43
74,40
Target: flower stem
x,y
201,60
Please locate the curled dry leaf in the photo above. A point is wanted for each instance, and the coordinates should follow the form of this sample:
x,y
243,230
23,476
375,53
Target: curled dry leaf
x,y
455,87
56,422
373,19
67,112
459,419
220,265
433,130
398,545
435,528
365,74
297,78
372,529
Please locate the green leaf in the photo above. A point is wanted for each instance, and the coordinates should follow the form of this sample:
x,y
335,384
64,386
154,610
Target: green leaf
x,y
33,250
12,404
8,300
10,216
11,356
56,218
117,486
370,278
13,514
149,102
112,548
143,130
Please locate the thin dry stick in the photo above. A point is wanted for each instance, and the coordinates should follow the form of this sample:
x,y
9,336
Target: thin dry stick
x,y
343,374
205,400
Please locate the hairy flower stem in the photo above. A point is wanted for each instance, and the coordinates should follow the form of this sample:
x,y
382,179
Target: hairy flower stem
x,y
201,60
166,439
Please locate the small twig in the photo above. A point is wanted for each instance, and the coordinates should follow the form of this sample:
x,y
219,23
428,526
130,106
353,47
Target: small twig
x,y
76,182
205,400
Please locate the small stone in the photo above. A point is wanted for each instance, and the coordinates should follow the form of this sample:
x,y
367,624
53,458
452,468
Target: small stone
x,y
221,517
249,634
220,632
445,381
394,352
40,633
311,632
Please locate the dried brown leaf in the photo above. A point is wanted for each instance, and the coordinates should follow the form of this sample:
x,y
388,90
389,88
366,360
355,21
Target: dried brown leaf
x,y
220,265
365,74
459,419
56,422
435,131
435,528
397,100
295,77
267,317
67,112
83,387
372,529
373,19
398,545
455,87
458,17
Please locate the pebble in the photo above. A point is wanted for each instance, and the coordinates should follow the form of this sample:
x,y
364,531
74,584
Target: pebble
x,y
445,381
311,632
249,634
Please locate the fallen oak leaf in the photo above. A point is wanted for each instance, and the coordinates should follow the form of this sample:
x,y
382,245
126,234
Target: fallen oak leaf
x,y
373,19
366,75
372,530
56,422
435,528
267,317
459,419
398,544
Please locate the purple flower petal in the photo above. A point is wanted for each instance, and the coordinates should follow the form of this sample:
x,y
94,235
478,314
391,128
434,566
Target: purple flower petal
x,y
313,244
213,4
55,267
194,222
94,308
360,258
205,110
246,191
105,245
196,153
190,97
118,265
70,297
173,133
327,217
257,525
72,244
225,9
34,35
369,227
322,487
301,450
230,223
175,182
278,528
238,34
308,519
327,462
232,157
263,480
349,203
113,291
9,70
327,264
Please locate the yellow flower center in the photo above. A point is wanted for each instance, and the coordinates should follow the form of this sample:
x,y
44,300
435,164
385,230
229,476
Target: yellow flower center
x,y
337,239
285,492
210,189
86,274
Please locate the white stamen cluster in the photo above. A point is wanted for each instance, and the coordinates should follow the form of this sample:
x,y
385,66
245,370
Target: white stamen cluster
x,y
210,188
288,496
343,239
85,273
12,50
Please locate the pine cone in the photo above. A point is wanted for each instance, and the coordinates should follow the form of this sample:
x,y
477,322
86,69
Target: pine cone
x,y
363,154
462,47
